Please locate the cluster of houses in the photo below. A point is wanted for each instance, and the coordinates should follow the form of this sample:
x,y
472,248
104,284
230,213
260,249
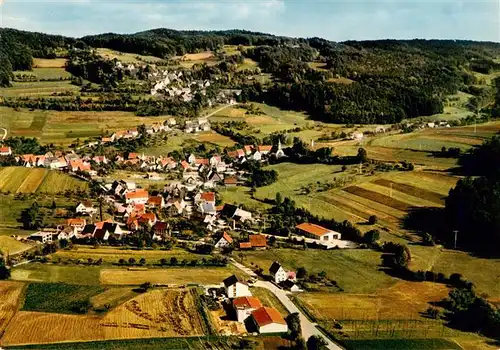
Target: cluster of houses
x,y
248,308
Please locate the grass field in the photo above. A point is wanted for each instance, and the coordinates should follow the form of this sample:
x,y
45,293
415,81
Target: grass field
x,y
356,271
31,180
12,246
403,344
59,297
62,128
49,63
158,313
167,276
112,255
37,272
125,57
38,89
10,292
214,138
267,298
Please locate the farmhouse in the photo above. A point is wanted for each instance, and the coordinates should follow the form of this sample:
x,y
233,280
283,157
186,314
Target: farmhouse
x,y
42,236
258,241
224,241
278,272
156,202
85,208
317,232
137,197
269,320
5,151
236,287
77,224
244,306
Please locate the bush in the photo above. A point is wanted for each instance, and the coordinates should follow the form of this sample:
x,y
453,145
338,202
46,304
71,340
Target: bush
x,y
433,313
372,220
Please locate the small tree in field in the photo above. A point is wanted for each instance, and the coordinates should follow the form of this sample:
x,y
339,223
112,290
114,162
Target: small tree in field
x,y
131,261
316,342
142,261
372,220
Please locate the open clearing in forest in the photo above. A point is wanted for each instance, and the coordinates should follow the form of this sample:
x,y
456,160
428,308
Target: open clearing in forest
x,y
157,313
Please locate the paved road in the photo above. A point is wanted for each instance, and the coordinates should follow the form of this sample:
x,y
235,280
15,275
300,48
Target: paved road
x,y
308,328
4,133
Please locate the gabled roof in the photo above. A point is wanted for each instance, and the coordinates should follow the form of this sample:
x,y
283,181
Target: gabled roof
x,y
230,181
227,237
274,267
4,149
110,227
229,210
233,280
264,148
100,225
185,165
257,241
267,315
137,194
202,161
246,303
160,226
89,229
245,245
76,222
155,200
208,196
313,229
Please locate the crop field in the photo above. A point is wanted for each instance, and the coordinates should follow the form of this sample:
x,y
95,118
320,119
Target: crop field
x,y
62,128
112,297
49,63
31,180
125,57
356,271
12,246
175,275
158,313
112,255
58,297
10,292
46,73
403,344
214,138
404,300
37,89
71,274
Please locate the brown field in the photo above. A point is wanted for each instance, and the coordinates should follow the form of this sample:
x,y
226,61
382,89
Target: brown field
x,y
158,313
49,63
10,292
377,197
404,300
215,138
224,326
197,56
165,276
412,191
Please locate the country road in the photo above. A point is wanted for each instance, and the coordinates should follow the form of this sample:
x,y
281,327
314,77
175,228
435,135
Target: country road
x,y
4,133
220,109
308,328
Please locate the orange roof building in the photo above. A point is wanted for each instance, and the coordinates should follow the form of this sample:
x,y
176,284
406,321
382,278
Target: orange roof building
x,y
208,196
137,197
269,320
258,241
317,232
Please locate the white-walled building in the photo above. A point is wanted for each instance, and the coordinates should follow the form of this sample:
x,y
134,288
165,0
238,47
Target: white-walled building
x,y
236,287
269,320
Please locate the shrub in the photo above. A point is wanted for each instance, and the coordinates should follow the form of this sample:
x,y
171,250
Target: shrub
x,y
372,220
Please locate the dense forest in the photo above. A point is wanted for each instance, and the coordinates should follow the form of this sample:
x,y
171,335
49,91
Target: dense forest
x,y
381,81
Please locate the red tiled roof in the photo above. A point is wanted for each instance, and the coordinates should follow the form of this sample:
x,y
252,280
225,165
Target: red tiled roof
x,y
202,161
312,229
76,222
184,164
219,207
148,217
257,241
264,148
4,149
267,315
230,181
208,196
100,224
245,245
247,303
137,194
227,237
155,200
132,156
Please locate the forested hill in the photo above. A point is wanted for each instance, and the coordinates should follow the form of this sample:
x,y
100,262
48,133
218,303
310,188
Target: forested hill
x,y
381,81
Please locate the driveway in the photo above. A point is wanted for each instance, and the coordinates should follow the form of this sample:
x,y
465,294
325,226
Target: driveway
x,y
308,328
4,133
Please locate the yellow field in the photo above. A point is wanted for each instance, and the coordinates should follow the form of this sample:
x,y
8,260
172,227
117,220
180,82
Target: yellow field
x,y
124,56
158,313
197,56
12,246
405,300
166,276
49,63
10,292
215,138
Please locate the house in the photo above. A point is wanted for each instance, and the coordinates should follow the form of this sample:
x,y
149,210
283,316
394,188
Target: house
x,y
207,208
244,306
268,320
245,245
67,233
357,135
230,181
156,202
264,149
5,151
257,156
205,197
77,224
278,272
137,197
160,228
236,287
224,241
101,235
88,231
42,236
239,153
85,208
290,285
248,149
191,159
317,232
242,215
258,241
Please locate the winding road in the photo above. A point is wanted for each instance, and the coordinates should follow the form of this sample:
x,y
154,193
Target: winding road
x,y
308,328
4,133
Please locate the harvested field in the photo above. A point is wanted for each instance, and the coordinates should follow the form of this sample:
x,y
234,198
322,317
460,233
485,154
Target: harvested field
x,y
404,300
12,246
412,201
197,56
31,182
412,191
215,138
56,182
377,197
40,327
166,276
10,292
158,313
112,297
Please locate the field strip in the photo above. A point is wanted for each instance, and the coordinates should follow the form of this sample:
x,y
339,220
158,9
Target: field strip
x,y
397,195
33,180
412,191
15,178
377,197
371,205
